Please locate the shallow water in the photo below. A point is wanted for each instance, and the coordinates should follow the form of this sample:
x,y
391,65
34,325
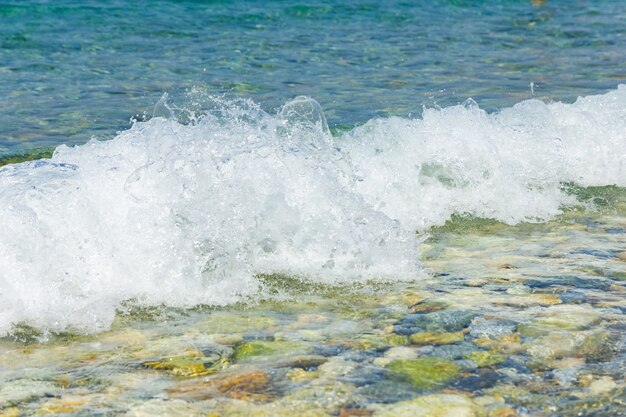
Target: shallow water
x,y
261,253
527,320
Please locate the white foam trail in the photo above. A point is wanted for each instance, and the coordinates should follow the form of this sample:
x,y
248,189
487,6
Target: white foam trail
x,y
188,214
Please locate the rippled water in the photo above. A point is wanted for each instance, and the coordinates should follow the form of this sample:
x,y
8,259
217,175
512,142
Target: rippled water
x,y
72,70
289,231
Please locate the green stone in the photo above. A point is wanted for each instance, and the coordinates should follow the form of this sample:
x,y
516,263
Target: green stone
x,y
486,358
189,365
436,338
397,340
258,348
424,373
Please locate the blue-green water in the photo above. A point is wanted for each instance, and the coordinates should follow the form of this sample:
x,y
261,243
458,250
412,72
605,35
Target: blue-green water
x,y
70,70
389,250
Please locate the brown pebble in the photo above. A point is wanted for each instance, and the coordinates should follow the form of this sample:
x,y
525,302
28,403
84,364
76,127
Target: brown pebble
x,y
355,412
247,384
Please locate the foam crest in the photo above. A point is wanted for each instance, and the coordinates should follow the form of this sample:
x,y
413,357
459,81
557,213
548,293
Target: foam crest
x,y
509,165
189,207
186,215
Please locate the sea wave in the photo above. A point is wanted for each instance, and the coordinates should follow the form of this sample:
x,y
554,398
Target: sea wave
x,y
190,207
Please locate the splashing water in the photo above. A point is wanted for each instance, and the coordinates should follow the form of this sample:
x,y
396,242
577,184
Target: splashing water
x,y
187,212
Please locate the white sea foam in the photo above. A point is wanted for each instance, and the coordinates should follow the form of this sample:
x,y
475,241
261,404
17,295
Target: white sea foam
x,y
187,214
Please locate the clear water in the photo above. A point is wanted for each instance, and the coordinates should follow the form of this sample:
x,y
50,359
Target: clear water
x,y
240,252
73,70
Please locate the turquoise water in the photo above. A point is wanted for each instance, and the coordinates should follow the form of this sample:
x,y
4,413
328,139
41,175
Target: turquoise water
x,y
73,70
307,215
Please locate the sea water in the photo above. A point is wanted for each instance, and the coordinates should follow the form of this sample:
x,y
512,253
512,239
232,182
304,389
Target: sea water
x,y
329,200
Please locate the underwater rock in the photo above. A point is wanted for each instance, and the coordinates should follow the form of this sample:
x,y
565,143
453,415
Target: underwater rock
x,y
326,395
444,321
573,296
434,405
400,352
428,306
592,346
247,383
396,340
302,375
592,283
229,322
355,412
61,405
304,361
519,289
452,352
15,392
246,409
159,407
482,328
501,411
602,385
508,344
598,346
227,339
425,372
335,368
10,412
486,358
387,392
257,348
527,300
435,338
395,353
561,317
189,365
486,378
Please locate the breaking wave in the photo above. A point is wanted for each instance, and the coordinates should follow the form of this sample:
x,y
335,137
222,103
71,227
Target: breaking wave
x,y
189,207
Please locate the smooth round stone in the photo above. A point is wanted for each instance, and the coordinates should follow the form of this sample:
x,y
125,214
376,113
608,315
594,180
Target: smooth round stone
x,y
385,392
456,351
573,296
490,329
440,405
486,378
401,352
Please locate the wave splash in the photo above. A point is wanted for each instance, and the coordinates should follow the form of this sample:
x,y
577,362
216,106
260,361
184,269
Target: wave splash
x,y
189,213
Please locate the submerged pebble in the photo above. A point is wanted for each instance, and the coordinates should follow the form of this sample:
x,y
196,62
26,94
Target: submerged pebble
x,y
436,347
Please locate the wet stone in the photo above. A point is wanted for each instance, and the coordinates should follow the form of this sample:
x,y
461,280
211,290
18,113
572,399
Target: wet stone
x,y
386,392
329,350
190,365
444,405
485,378
304,361
436,338
595,253
405,330
262,336
355,412
592,283
486,358
452,352
258,348
233,384
363,376
445,320
490,328
573,296
425,372
517,363
428,306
